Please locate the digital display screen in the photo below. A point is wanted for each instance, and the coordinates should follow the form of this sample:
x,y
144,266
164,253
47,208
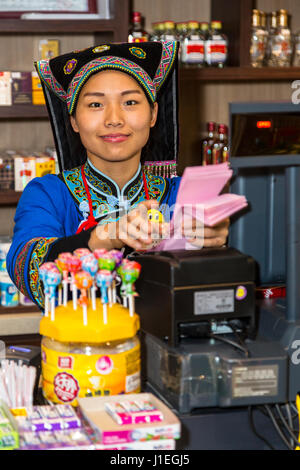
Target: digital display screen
x,y
261,134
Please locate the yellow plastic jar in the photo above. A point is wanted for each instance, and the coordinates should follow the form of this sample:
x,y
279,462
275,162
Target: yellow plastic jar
x,y
96,359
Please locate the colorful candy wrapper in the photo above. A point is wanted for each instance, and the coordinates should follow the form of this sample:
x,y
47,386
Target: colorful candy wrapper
x,y
103,280
44,271
129,272
74,265
83,281
118,257
99,252
62,263
80,252
90,264
107,262
51,279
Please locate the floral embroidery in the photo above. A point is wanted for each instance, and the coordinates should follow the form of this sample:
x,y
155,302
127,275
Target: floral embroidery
x,y
70,66
38,255
101,48
138,52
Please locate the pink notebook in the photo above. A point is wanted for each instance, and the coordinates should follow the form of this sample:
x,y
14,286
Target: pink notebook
x,y
199,196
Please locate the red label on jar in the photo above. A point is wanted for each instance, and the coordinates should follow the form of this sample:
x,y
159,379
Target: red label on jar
x,y
218,49
195,48
66,387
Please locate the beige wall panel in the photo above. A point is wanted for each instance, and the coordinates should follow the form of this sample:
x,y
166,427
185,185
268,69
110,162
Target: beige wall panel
x,y
175,10
7,220
32,135
18,52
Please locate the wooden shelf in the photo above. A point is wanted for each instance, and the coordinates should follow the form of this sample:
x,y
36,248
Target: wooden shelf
x,y
19,309
238,74
17,26
23,111
9,197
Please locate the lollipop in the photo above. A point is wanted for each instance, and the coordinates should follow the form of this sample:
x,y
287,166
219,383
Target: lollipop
x,y
83,281
129,272
74,265
99,252
103,280
118,257
62,263
80,252
90,265
43,270
51,278
107,262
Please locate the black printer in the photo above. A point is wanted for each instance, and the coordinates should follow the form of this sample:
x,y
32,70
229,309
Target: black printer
x,y
194,293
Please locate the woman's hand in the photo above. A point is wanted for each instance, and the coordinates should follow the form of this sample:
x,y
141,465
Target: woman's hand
x,y
198,236
133,229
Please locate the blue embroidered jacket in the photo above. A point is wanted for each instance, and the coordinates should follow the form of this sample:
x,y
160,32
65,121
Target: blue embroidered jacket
x,y
52,208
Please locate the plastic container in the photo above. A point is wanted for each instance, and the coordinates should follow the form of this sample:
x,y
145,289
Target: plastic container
x,y
93,360
9,292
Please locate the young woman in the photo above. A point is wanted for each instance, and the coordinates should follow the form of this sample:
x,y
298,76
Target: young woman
x,y
110,106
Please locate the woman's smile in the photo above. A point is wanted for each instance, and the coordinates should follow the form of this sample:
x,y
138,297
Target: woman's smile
x,y
115,138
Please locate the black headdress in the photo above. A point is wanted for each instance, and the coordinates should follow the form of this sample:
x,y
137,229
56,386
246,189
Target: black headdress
x,y
152,64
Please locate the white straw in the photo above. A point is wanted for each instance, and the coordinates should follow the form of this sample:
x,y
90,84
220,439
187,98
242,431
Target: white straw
x,y
59,295
53,308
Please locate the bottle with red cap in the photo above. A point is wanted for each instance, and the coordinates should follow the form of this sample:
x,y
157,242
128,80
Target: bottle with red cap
x,y
137,32
220,152
207,144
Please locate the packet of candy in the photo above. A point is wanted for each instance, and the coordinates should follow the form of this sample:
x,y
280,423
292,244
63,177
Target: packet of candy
x,y
134,412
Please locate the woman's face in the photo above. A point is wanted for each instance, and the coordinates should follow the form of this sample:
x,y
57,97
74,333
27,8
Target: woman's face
x,y
113,117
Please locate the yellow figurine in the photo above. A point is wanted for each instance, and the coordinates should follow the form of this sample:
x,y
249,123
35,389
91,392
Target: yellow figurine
x,y
155,216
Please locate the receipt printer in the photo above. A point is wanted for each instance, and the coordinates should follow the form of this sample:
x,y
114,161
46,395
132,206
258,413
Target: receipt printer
x,y
193,293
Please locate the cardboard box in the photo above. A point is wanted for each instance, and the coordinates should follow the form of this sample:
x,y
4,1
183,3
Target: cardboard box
x,y
5,89
21,88
24,171
38,97
110,433
48,48
44,166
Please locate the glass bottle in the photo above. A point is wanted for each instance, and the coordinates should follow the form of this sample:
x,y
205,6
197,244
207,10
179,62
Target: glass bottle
x,y
155,35
281,44
216,46
169,31
258,42
193,46
296,59
204,28
181,32
207,144
220,152
272,26
137,32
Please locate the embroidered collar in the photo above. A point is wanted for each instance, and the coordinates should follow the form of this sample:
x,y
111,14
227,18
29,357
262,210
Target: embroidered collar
x,y
109,202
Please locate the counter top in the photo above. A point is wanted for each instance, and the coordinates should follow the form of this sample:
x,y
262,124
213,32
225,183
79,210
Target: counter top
x,y
20,323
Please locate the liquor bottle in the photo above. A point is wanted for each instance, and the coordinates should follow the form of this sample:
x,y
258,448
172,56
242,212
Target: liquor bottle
x,y
220,152
193,46
216,46
207,144
281,44
137,32
204,28
169,31
181,32
258,44
155,35
296,59
272,26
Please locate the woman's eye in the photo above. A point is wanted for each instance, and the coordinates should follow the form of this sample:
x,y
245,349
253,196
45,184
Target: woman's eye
x,y
130,102
95,105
